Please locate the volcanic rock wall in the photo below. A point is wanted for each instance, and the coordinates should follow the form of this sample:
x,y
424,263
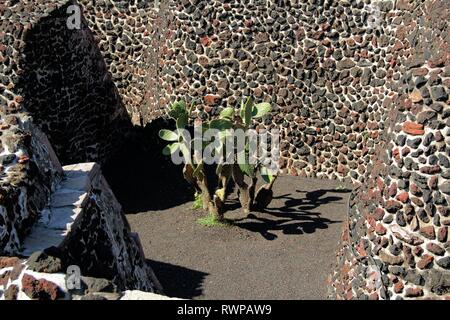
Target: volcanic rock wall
x,y
396,245
59,76
322,64
360,92
100,240
29,171
82,227
359,89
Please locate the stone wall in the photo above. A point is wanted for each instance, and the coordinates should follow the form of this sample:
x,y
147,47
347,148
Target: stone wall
x,y
100,240
129,36
82,226
29,171
329,68
323,65
25,279
59,76
396,243
359,89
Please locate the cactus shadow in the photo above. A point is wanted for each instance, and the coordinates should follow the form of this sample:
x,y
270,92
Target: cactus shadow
x,y
291,214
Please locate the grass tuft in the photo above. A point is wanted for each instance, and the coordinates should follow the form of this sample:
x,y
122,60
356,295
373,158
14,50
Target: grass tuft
x,y
211,221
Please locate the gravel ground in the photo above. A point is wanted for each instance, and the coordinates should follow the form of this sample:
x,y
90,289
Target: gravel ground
x,y
284,253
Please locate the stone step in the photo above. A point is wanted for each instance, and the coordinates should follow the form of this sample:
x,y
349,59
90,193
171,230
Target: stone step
x,y
40,238
66,203
91,169
67,197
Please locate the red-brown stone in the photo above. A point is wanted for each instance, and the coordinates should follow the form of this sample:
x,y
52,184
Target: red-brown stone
x,y
436,62
6,262
40,289
211,100
12,292
360,249
428,232
425,262
435,249
16,271
349,295
405,151
403,197
378,214
417,201
204,61
248,23
397,46
392,190
413,292
438,136
325,26
4,278
415,190
393,206
409,258
342,169
430,169
371,221
442,234
418,251
413,128
433,182
398,287
380,229
206,41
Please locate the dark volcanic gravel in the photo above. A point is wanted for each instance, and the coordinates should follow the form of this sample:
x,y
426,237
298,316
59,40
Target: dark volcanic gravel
x,y
284,253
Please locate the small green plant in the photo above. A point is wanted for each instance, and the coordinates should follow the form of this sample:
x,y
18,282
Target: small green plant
x,y
198,203
240,170
211,221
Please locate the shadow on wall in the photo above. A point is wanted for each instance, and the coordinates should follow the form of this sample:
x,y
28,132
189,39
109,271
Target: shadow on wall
x,y
178,282
142,178
67,88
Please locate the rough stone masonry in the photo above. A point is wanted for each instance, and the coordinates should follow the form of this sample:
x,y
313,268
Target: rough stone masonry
x,y
359,89
46,223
